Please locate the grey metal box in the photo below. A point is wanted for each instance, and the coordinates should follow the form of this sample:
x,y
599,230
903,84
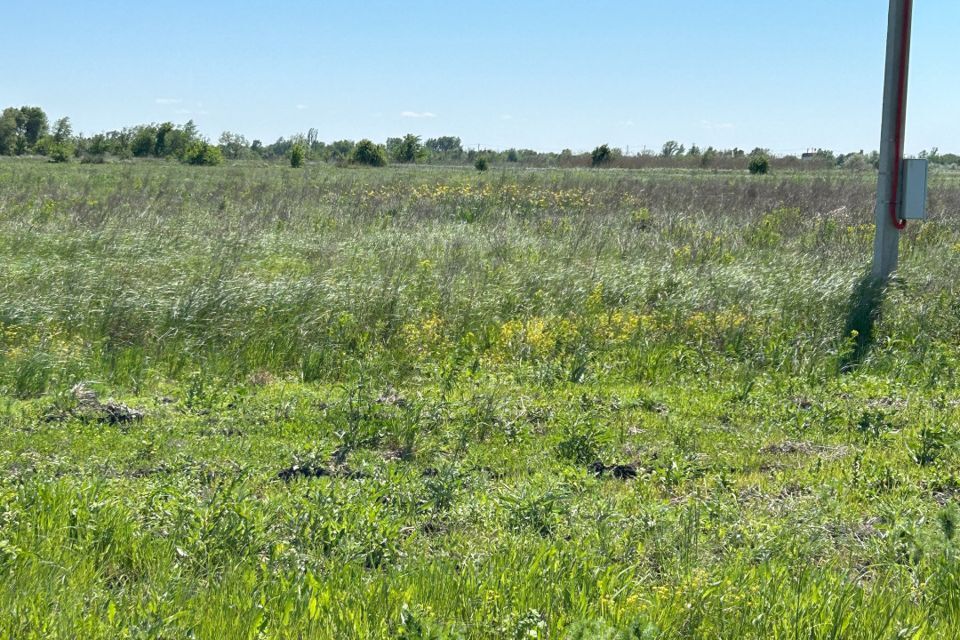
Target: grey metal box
x,y
914,190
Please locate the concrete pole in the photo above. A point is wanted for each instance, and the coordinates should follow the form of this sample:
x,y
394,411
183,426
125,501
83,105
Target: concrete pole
x,y
890,179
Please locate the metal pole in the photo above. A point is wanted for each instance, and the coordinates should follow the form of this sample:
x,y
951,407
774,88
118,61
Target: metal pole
x,y
889,215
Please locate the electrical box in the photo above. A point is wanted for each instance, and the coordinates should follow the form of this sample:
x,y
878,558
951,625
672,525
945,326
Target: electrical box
x,y
914,201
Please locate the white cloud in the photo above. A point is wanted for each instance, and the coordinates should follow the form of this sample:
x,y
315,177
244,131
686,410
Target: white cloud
x,y
183,112
301,107
706,124
628,123
168,100
506,116
417,114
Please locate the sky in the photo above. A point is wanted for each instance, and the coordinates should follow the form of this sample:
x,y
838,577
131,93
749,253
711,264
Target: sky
x,y
788,75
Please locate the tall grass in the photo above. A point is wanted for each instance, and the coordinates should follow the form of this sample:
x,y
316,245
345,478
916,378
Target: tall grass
x,y
371,396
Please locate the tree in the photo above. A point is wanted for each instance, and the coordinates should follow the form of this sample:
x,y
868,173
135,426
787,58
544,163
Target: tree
x,y
481,164
512,155
759,163
340,149
62,130
21,129
601,155
233,145
34,124
408,150
160,148
708,157
59,146
200,152
298,152
368,153
446,146
8,131
672,148
143,142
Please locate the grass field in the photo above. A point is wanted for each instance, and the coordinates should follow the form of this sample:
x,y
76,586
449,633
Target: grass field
x,y
255,402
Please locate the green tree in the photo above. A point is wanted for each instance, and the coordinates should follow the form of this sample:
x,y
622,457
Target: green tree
x,y
601,155
368,153
298,152
340,149
233,145
62,130
34,124
445,146
759,163
8,131
708,157
160,143
481,164
409,149
672,148
179,139
200,152
21,129
143,141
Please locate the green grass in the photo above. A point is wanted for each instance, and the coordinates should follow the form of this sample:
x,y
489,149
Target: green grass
x,y
371,400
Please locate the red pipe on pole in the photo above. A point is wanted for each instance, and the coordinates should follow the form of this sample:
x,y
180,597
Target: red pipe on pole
x,y
902,68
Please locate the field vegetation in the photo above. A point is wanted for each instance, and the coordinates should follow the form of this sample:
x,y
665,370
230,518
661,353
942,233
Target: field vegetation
x,y
252,401
25,131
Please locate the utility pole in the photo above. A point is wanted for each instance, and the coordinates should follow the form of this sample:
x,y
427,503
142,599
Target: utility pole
x,y
890,183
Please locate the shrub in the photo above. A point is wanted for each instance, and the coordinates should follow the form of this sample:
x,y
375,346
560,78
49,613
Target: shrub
x,y
708,156
481,164
56,150
369,153
298,154
409,149
759,164
601,156
61,152
203,153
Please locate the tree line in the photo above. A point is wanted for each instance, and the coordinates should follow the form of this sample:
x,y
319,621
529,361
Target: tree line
x,y
27,131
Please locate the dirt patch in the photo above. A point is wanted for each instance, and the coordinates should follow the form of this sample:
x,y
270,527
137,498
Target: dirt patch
x,y
307,470
261,378
616,471
88,407
789,447
309,467
800,447
391,398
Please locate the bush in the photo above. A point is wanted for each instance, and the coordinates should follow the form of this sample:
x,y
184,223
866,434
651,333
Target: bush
x,y
298,154
759,164
56,150
203,153
481,164
601,156
61,152
370,154
409,149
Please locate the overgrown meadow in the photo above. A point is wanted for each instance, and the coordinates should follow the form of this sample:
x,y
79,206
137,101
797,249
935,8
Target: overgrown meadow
x,y
259,402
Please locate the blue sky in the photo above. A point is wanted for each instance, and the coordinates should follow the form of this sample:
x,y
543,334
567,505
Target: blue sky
x,y
783,74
